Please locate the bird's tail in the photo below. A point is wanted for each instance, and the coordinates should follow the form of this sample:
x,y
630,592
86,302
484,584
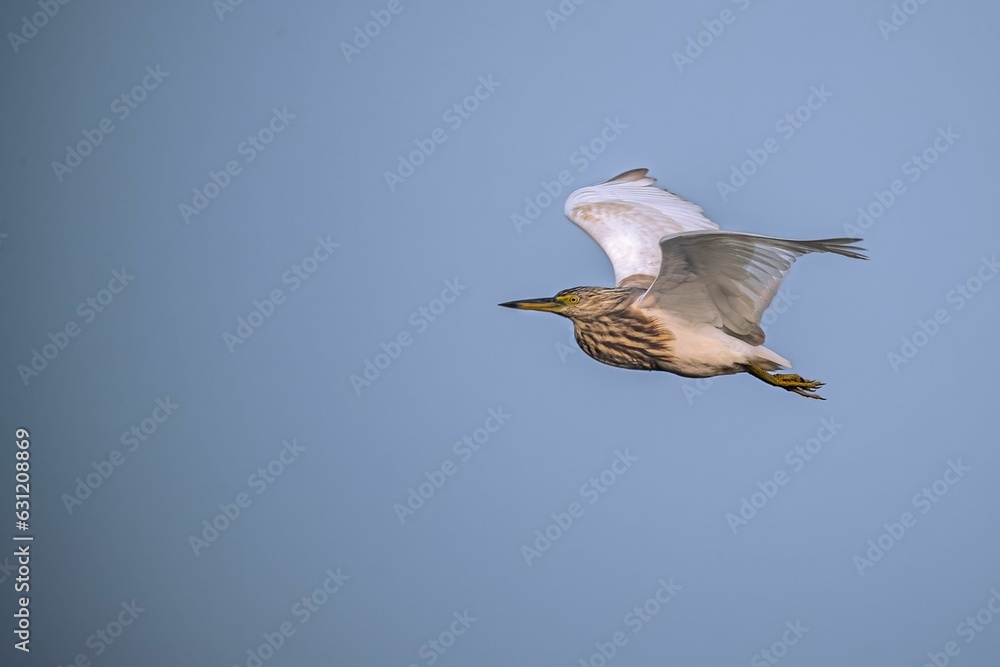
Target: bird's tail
x,y
769,360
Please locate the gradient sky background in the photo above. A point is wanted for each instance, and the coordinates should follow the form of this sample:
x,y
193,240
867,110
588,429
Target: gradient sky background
x,y
699,449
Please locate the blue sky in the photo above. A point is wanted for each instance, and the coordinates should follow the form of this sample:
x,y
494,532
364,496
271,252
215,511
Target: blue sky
x,y
253,254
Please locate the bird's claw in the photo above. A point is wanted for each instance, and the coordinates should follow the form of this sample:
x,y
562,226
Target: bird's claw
x,y
799,385
788,381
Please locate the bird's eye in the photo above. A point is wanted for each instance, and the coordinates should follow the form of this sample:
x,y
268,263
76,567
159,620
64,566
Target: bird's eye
x,y
573,299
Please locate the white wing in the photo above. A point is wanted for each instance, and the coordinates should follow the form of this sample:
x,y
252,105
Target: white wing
x,y
627,216
728,279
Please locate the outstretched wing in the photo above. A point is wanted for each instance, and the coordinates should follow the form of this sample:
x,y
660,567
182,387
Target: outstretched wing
x,y
728,279
628,216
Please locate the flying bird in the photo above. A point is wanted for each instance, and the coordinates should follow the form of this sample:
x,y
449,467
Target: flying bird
x,y
689,296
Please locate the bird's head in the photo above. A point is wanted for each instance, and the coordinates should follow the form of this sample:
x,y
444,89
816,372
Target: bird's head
x,y
574,303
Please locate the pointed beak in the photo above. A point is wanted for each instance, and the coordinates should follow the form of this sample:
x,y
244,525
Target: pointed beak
x,y
547,305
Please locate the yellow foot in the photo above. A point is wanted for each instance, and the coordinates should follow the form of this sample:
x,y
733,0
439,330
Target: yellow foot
x,y
788,381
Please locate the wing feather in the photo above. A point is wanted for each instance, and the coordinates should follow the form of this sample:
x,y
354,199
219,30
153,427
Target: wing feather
x,y
728,279
627,216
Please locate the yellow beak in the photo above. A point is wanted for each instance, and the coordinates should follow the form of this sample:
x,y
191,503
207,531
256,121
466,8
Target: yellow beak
x,y
547,305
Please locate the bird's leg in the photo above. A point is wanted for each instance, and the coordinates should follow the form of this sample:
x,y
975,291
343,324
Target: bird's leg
x,y
788,381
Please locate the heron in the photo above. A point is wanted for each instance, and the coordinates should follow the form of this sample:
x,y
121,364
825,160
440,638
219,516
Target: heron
x,y
689,296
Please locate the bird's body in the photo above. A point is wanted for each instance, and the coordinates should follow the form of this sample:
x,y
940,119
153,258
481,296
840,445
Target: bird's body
x,y
689,297
626,335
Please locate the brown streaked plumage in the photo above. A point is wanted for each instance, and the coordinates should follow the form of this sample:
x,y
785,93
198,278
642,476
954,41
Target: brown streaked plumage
x,y
613,332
